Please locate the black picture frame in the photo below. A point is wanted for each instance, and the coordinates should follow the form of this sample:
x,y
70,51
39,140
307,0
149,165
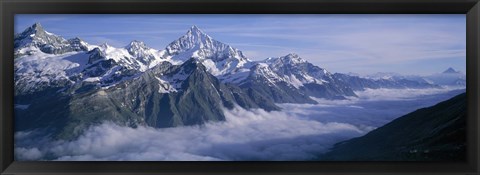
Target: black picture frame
x,y
9,8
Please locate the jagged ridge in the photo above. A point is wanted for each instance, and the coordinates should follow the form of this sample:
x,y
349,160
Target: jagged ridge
x,y
192,80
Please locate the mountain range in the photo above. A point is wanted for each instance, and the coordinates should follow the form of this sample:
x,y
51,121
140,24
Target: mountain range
x,y
189,82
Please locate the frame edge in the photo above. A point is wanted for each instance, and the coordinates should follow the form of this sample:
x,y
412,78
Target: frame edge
x,y
473,64
6,158
6,91
2,142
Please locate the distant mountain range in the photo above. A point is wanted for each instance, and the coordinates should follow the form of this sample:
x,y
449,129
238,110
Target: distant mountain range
x,y
187,83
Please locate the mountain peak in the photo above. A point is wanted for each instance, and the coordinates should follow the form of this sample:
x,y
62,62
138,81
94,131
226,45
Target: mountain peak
x,y
34,29
194,28
135,44
37,25
141,51
193,38
195,31
292,55
77,40
104,45
293,58
36,37
450,70
196,35
196,44
197,40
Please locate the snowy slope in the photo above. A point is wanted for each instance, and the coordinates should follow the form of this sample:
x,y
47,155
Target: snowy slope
x,y
45,60
35,72
290,69
135,55
217,57
74,61
35,39
297,71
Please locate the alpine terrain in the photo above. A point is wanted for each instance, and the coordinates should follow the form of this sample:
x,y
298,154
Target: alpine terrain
x,y
66,85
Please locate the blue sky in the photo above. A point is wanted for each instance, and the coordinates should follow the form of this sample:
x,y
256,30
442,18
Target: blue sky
x,y
407,44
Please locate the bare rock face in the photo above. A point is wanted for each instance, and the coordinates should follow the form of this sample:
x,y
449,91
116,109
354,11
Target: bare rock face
x,y
36,37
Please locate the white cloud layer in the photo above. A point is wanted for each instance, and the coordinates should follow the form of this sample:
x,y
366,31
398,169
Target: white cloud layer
x,y
298,132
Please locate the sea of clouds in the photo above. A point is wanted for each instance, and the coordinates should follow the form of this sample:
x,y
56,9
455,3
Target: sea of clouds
x,y
298,132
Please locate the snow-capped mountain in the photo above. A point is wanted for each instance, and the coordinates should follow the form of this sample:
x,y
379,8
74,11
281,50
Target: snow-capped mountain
x,y
188,83
48,61
136,55
298,71
125,85
451,71
44,60
360,83
165,96
309,79
392,76
449,77
263,82
146,56
231,66
217,57
35,38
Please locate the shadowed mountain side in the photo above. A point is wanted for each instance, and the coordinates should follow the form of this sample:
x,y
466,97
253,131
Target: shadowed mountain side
x,y
433,133
195,97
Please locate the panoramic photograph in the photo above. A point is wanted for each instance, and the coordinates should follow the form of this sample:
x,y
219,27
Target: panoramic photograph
x,y
225,87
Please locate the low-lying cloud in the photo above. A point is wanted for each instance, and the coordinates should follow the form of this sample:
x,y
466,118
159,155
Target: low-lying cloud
x,y
298,132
